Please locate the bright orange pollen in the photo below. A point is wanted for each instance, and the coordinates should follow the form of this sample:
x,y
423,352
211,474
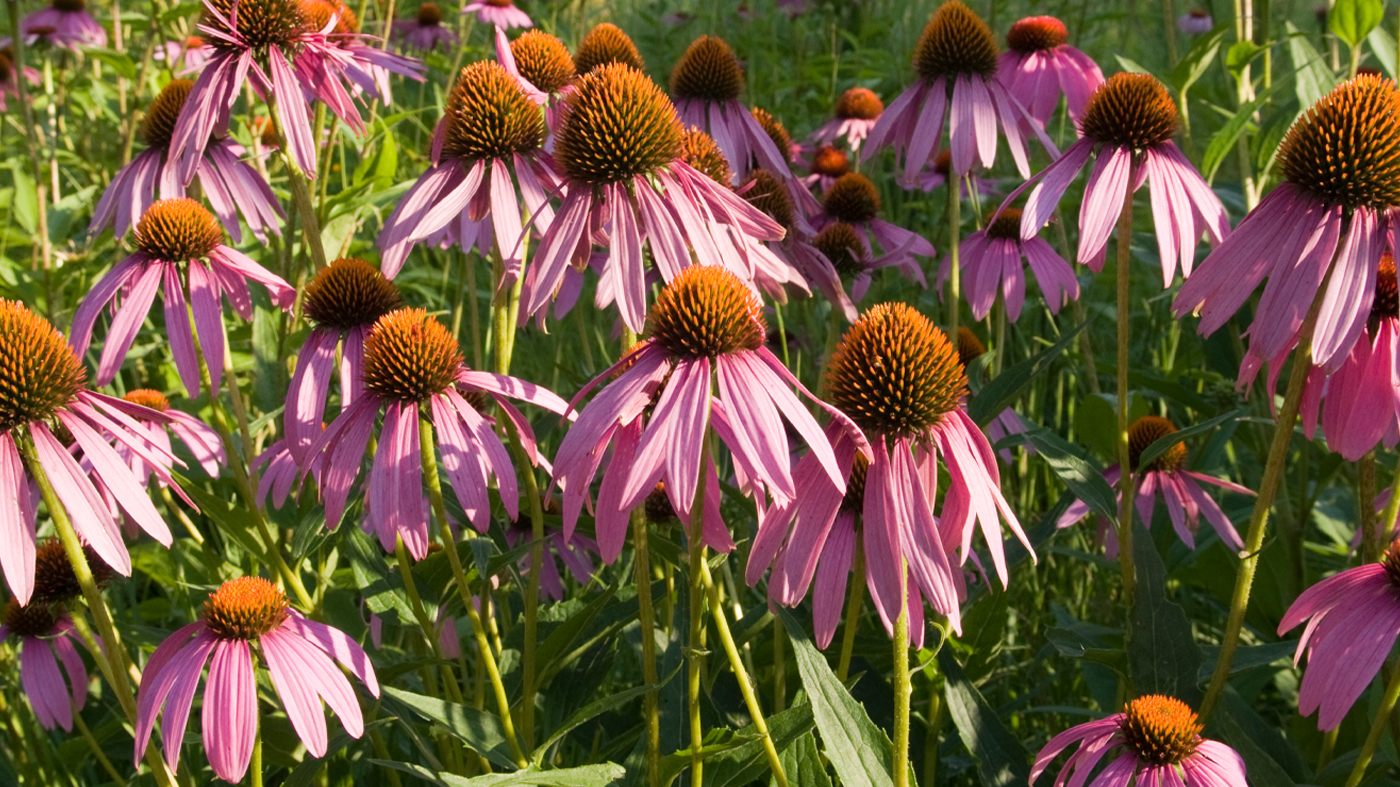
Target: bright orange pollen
x,y
245,608
1160,730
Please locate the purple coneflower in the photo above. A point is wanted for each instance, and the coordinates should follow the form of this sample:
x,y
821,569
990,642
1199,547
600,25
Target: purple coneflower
x,y
174,237
991,262
1040,65
63,23
705,329
1156,740
489,131
1166,475
857,111
501,13
936,177
900,380
200,438
1127,128
413,369
1195,22
343,300
541,63
44,639
424,29
244,618
706,85
183,56
853,200
1339,164
230,183
849,254
1360,402
956,59
827,165
619,145
337,51
1007,422
573,552
43,388
280,474
604,44
9,77
787,147
1352,621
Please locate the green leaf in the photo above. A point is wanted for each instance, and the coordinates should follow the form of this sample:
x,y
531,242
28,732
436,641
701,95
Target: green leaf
x,y
1268,757
1312,79
1196,62
1162,653
998,394
1082,478
746,764
1223,141
478,729
1131,66
1161,444
119,61
584,776
1352,20
594,709
304,775
26,199
802,763
1246,658
859,751
714,743
1240,55
1001,759
1382,45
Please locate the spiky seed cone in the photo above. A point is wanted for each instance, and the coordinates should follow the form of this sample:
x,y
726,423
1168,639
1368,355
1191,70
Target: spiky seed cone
x,y
349,292
830,162
54,580
700,151
1161,730
500,3
955,41
245,608
658,506
616,125
854,499
766,191
894,373
30,620
859,103
708,71
706,312
489,116
852,199
159,124
1386,304
318,14
1035,33
261,23
410,356
775,130
604,44
38,372
69,6
970,348
841,244
1346,149
1133,111
1007,226
148,398
1144,432
543,60
178,230
430,14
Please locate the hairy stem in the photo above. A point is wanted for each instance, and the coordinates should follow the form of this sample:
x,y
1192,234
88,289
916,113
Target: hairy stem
x,y
1125,476
1368,750
903,688
855,599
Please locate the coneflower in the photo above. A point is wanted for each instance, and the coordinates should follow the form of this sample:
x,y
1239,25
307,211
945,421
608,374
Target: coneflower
x,y
488,140
768,193
180,251
202,441
604,44
44,639
857,111
956,59
991,260
64,23
827,164
230,184
424,30
1039,66
501,13
706,85
9,76
349,65
853,200
619,145
542,65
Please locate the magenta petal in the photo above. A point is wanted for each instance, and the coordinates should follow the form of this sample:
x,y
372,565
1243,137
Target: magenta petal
x,y
128,321
89,514
43,684
16,528
230,715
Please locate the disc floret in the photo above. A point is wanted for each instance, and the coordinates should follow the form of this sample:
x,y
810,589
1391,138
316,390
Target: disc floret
x,y
29,620
775,130
410,357
178,230
1036,33
1006,226
604,44
1160,730
1133,111
700,151
543,60
708,71
1386,304
489,116
54,580
970,348
615,126
349,292
159,124
955,41
1144,432
1346,149
149,398
706,312
830,162
39,374
260,23
852,199
766,191
245,608
841,244
859,103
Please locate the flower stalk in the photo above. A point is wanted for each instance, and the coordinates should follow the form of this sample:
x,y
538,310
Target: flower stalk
x,y
1373,738
1125,477
301,194
903,687
954,267
855,599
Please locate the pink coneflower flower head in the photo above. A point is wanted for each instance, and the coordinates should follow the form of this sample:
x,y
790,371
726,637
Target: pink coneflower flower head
x,y
705,330
826,165
412,368
778,133
1352,621
848,251
336,57
604,44
184,55
64,23
541,62
180,251
501,13
857,110
231,185
1341,169
1040,65
619,144
199,438
1360,402
706,85
43,389
956,59
246,618
1156,740
1167,476
487,144
853,200
991,262
343,301
44,640
424,29
900,380
768,193
1195,22
1127,128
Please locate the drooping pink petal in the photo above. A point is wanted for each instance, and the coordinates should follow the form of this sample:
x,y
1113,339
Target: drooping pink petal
x,y
16,527
230,714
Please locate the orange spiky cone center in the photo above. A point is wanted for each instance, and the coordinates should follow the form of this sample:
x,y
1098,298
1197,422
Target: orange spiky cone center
x,y
349,292
245,608
178,230
604,44
410,357
39,374
1346,149
1144,432
1130,110
1160,730
616,125
706,312
708,71
489,116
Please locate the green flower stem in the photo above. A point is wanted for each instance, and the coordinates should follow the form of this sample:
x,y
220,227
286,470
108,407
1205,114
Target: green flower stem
x,y
1125,473
1329,745
255,766
855,599
301,195
695,646
1392,507
647,620
97,750
1086,347
954,267
1371,544
420,613
903,688
1368,750
434,483
741,676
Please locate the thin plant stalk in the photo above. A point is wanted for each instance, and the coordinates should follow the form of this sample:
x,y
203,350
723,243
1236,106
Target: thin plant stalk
x,y
301,195
1368,750
695,650
899,763
420,614
1086,347
954,266
1365,498
1386,524
97,750
647,620
255,766
1125,474
855,599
